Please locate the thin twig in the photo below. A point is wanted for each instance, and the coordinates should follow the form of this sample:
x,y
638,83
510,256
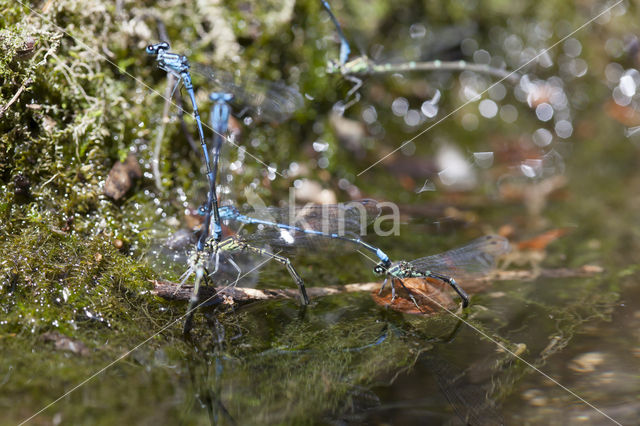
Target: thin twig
x,y
22,88
173,291
155,162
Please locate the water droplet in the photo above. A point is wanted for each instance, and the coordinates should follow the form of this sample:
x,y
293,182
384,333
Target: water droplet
x,y
620,98
564,129
483,159
408,148
370,115
412,118
323,162
632,131
627,85
468,46
572,47
488,108
497,92
482,57
544,111
429,109
417,31
320,146
400,106
542,137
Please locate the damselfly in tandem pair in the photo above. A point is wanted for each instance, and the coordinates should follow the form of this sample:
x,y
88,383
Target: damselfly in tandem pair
x,y
471,261
271,101
312,229
302,227
283,231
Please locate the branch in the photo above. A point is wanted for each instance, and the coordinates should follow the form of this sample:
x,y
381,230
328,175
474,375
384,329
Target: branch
x,y
172,291
15,97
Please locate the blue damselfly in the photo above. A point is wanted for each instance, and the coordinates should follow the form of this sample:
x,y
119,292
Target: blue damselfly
x,y
467,262
271,101
201,259
284,230
178,66
296,225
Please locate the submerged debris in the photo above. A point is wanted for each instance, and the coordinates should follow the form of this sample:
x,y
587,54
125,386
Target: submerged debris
x,y
587,362
65,343
22,186
432,297
214,295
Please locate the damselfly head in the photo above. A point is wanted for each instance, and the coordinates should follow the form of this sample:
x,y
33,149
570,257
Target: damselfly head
x,y
154,49
333,66
380,269
221,96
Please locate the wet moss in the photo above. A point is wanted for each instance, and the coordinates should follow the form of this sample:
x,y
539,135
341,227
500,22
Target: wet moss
x,y
60,281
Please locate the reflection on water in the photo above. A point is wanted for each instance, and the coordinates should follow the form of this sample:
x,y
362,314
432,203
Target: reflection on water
x,y
327,365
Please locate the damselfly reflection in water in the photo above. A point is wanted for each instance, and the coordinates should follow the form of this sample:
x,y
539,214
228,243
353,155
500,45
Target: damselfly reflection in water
x,y
199,260
363,65
225,262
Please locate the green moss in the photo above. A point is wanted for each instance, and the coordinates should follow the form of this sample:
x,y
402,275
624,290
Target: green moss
x,y
57,281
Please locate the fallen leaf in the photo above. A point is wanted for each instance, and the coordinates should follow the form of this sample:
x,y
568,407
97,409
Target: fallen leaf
x,y
541,241
432,296
624,115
